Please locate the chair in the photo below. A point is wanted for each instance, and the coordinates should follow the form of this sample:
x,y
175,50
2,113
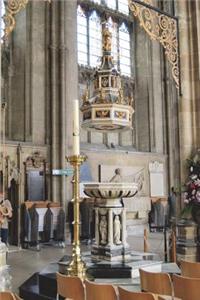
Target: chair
x,y
70,287
99,291
157,283
186,288
128,295
9,296
190,269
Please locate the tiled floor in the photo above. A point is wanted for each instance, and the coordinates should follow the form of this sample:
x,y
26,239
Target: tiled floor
x,y
26,262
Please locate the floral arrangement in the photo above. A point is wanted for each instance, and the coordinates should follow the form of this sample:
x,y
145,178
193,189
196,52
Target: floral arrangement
x,y
191,195
192,186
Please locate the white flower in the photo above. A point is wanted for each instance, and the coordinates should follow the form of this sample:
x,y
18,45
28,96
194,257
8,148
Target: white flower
x,y
197,182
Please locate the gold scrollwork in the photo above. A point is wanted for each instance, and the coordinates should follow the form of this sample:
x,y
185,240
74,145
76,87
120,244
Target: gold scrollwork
x,y
102,114
120,114
161,28
12,7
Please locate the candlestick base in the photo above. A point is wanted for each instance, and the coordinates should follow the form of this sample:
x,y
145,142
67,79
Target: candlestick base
x,y
76,267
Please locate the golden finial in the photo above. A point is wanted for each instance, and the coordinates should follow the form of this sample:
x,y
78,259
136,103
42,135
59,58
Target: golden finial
x,y
11,9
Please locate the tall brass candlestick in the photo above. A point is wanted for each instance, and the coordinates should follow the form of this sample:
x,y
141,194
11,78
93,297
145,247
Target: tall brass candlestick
x,y
77,266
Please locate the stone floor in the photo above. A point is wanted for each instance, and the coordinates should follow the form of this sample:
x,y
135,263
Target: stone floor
x,y
26,262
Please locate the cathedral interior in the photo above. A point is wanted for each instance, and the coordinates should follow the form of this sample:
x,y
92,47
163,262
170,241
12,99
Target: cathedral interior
x,y
99,147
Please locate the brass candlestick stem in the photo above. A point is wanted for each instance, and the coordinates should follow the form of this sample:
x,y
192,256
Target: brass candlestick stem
x,y
77,266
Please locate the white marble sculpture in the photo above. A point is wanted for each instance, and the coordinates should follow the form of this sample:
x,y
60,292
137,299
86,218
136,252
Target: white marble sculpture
x,y
117,230
103,230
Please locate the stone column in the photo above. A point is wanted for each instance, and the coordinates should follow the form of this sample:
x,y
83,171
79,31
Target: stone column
x,y
155,98
62,71
142,90
110,227
38,71
54,96
123,215
97,226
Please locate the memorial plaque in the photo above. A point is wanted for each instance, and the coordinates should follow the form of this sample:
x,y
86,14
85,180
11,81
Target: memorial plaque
x,y
36,191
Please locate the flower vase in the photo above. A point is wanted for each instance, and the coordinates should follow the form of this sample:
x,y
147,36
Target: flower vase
x,y
196,213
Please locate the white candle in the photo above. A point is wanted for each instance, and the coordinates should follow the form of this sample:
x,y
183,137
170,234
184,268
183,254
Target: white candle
x,y
76,129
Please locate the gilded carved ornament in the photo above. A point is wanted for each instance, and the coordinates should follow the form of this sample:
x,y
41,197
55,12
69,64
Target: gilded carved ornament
x,y
12,7
162,28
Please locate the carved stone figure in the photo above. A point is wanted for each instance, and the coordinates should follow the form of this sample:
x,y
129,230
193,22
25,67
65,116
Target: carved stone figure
x,y
117,230
103,230
117,177
107,40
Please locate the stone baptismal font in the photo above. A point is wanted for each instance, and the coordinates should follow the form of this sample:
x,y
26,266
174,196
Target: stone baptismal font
x,y
110,218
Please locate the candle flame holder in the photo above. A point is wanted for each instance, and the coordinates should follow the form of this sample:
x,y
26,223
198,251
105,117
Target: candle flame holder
x,y
77,266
